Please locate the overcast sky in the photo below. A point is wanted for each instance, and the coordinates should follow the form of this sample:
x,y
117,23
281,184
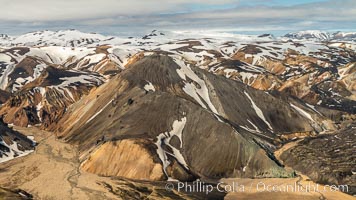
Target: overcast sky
x,y
125,17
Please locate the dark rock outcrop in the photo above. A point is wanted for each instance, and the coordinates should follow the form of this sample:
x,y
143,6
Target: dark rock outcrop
x,y
327,159
13,143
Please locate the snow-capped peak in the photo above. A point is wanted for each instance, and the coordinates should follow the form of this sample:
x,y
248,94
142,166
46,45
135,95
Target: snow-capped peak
x,y
309,34
344,35
154,33
3,36
322,35
57,38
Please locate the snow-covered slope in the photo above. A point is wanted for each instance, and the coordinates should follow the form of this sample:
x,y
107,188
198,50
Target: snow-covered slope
x,y
13,144
322,35
75,38
56,38
310,34
344,36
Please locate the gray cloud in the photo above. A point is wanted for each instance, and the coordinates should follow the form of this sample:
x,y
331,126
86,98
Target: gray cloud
x,y
49,10
113,16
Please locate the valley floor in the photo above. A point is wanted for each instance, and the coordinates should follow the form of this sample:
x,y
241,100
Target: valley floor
x,y
52,172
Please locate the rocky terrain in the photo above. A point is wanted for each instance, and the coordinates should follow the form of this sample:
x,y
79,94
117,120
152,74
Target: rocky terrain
x,y
333,155
13,144
8,194
174,106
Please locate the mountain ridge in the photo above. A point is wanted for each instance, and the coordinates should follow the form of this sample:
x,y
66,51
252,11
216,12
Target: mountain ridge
x,y
322,35
72,37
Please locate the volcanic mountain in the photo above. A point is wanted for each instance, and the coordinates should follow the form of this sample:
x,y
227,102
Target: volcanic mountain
x,y
194,107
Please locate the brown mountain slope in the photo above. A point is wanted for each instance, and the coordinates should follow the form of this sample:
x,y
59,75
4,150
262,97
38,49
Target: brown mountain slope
x,y
44,100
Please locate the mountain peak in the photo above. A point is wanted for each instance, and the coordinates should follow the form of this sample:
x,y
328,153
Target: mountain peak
x,y
70,37
321,35
309,34
3,36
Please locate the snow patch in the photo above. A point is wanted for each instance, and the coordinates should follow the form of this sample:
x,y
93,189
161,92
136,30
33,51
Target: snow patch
x,y
13,153
165,138
149,87
302,112
97,113
258,111
199,94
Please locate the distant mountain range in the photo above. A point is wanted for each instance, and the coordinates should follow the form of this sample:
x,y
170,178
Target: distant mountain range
x,y
322,35
76,38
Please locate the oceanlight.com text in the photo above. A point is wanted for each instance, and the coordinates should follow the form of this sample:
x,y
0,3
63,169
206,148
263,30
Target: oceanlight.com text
x,y
202,187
